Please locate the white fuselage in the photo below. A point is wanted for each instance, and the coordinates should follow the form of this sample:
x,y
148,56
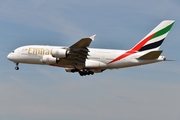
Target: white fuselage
x,y
99,59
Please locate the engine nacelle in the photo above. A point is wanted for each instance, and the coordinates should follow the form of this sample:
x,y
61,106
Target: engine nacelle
x,y
59,53
48,59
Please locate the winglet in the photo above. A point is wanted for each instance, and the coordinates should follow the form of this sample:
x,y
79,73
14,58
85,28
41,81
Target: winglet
x,y
92,37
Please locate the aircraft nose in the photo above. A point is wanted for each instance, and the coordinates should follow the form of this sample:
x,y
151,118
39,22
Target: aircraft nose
x,y
9,56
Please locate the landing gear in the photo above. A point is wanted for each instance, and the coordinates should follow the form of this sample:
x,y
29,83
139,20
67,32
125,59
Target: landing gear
x,y
17,68
74,70
57,60
82,72
85,72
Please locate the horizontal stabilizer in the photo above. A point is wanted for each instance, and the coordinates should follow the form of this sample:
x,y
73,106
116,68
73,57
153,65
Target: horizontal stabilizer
x,y
151,55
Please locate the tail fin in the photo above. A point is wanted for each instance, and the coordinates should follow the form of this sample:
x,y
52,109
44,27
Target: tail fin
x,y
154,39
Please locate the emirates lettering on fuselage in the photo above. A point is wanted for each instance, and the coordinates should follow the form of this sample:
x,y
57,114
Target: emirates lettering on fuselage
x,y
39,51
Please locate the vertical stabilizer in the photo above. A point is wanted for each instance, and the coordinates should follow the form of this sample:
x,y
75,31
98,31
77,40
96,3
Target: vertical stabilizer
x,y
154,39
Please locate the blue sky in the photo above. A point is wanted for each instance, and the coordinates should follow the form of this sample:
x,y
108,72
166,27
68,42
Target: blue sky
x,y
42,93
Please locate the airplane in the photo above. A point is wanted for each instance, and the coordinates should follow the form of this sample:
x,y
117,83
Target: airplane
x,y
87,61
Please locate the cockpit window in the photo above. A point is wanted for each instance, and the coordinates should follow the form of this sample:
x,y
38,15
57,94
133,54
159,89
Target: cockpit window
x,y
12,51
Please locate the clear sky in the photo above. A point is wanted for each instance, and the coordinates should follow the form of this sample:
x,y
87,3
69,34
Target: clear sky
x,y
37,92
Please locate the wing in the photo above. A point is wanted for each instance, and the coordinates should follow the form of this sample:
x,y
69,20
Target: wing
x,y
78,52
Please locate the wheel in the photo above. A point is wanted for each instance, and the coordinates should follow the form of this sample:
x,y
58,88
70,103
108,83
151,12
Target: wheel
x,y
81,73
16,68
72,70
91,72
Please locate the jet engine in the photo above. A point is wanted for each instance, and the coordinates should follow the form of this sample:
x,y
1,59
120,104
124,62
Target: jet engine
x,y
48,59
59,53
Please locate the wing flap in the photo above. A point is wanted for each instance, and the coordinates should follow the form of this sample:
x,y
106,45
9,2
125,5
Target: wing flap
x,y
151,55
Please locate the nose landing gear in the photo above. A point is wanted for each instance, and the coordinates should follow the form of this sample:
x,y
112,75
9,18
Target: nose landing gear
x,y
17,68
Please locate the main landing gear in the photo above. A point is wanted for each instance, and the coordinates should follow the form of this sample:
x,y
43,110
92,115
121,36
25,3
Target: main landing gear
x,y
85,72
17,68
81,72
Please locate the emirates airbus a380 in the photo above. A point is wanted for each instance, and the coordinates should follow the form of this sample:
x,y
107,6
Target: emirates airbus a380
x,y
87,61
